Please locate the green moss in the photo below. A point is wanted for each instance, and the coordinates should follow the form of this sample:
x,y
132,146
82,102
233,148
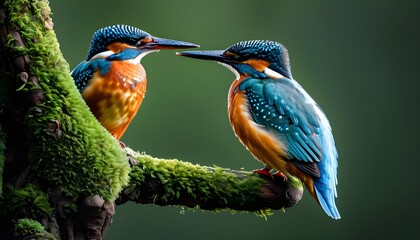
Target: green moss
x,y
30,229
295,182
216,185
28,226
24,202
69,148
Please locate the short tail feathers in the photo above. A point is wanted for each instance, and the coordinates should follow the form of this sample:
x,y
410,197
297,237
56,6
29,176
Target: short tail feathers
x,y
326,198
326,185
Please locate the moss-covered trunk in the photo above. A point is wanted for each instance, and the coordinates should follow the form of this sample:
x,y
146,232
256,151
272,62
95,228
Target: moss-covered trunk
x,y
52,142
61,171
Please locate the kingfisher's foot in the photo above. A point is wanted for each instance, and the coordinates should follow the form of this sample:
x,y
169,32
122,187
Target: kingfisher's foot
x,y
264,171
280,174
132,161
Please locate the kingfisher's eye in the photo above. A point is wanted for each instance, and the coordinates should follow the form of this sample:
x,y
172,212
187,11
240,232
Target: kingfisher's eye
x,y
144,41
232,55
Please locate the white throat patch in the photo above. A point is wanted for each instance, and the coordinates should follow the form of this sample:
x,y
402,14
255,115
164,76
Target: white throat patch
x,y
137,59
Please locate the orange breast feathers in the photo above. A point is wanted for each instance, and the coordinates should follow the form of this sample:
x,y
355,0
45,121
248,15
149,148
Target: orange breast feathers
x,y
260,141
115,97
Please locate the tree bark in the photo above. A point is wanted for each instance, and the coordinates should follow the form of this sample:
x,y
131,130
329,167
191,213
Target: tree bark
x,y
62,173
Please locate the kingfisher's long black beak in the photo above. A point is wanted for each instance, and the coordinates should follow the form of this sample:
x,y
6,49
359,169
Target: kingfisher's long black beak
x,y
216,55
162,43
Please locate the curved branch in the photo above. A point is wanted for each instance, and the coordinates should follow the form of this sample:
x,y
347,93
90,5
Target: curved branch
x,y
173,182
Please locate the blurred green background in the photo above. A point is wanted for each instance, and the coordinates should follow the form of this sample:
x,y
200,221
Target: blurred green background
x,y
358,59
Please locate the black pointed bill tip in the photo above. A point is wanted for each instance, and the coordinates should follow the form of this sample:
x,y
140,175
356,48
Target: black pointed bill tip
x,y
216,55
163,43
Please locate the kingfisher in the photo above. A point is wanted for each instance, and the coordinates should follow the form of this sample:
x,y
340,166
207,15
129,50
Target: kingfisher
x,y
112,80
276,119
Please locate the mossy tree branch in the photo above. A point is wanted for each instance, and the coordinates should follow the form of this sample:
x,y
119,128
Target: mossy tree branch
x,y
62,172
172,182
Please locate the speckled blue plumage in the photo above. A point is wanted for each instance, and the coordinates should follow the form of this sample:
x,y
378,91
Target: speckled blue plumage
x,y
277,105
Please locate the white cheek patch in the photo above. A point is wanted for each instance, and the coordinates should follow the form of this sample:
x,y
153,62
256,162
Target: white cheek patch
x,y
272,74
237,75
137,59
104,54
267,71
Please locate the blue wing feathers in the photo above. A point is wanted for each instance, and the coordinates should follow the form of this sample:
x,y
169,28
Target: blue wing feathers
x,y
279,106
301,153
307,144
83,72
304,125
274,105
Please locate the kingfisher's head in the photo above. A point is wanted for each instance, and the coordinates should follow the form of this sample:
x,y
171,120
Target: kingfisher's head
x,y
255,58
122,42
